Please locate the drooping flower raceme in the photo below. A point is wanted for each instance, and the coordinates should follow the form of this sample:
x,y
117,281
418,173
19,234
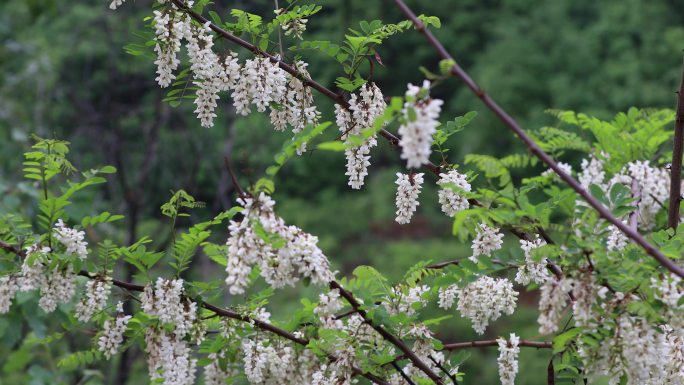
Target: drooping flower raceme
x,y
283,262
552,302
364,108
487,240
420,114
112,335
166,300
170,28
508,359
452,201
8,286
261,82
57,287
168,358
532,271
653,183
72,239
94,299
408,189
485,300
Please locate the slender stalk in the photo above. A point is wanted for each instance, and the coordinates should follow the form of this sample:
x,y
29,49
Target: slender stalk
x,y
676,166
489,343
509,122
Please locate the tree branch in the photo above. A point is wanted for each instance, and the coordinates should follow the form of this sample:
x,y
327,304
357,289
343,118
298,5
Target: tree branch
x,y
509,122
676,167
217,310
489,343
408,353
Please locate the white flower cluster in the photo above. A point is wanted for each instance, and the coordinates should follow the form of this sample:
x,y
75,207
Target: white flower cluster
x,y
592,171
168,358
616,240
292,25
420,114
364,108
291,254
95,298
115,4
553,300
405,302
57,287
214,374
566,168
423,347
408,189
584,290
166,300
170,28
328,305
451,201
532,271
637,351
264,364
296,106
654,185
112,335
669,291
71,239
8,286
485,300
487,240
261,82
32,272
508,359
447,296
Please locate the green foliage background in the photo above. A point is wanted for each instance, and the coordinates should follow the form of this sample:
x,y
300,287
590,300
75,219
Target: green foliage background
x,y
64,73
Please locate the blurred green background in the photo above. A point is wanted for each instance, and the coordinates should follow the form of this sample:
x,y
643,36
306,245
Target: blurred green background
x,y
64,73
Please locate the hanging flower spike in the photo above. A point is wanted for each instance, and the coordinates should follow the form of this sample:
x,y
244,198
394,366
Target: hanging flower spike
x,y
408,189
508,359
420,116
487,240
451,201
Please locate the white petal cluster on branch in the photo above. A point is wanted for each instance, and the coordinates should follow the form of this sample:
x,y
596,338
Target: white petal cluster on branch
x,y
420,114
652,182
532,271
408,190
115,4
406,301
283,253
487,240
266,364
616,240
214,374
508,359
566,168
592,171
449,195
364,107
552,302
57,287
169,358
166,300
94,298
292,25
32,272
72,239
484,300
328,305
112,335
585,291
8,286
170,28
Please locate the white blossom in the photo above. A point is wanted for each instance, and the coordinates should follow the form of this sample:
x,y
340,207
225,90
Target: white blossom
x,y
364,108
214,374
170,28
487,240
452,201
420,114
584,290
508,359
566,168
292,25
592,171
72,239
653,183
532,271
32,275
328,305
57,287
552,302
405,302
115,4
264,364
8,286
94,299
261,82
167,301
169,358
408,189
112,335
485,300
616,240
447,296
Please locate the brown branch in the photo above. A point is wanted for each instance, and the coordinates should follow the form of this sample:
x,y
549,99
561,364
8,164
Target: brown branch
x,y
634,215
217,310
489,343
408,353
676,166
339,99
509,122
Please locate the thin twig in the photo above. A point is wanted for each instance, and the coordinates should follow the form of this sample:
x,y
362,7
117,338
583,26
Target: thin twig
x,y
634,215
489,343
509,122
441,367
676,166
403,375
